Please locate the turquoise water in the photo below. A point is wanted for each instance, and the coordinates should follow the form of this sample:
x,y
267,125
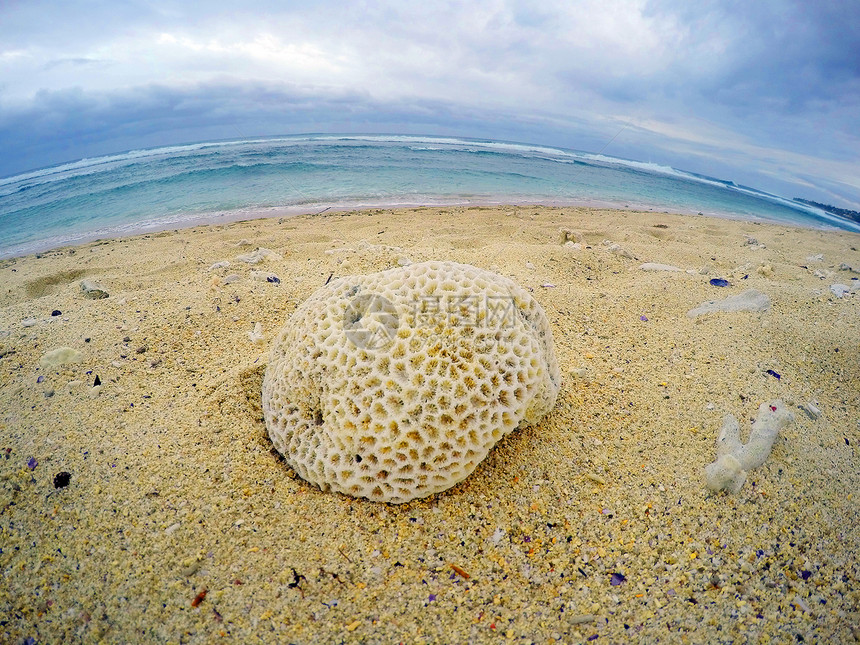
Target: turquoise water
x,y
182,185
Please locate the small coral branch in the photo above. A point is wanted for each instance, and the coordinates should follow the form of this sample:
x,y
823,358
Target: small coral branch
x,y
734,459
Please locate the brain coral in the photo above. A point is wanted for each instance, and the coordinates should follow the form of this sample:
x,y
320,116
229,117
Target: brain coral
x,y
395,385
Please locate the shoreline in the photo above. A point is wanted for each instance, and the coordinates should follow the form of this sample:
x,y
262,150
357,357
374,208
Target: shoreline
x,y
169,223
179,523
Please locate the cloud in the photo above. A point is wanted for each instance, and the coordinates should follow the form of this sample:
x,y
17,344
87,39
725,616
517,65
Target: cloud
x,y
761,88
99,123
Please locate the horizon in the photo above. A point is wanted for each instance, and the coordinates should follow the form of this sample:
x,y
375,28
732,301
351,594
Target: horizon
x,y
653,167
222,180
765,95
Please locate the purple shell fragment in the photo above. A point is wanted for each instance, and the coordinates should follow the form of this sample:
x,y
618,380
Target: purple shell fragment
x,y
617,579
720,282
773,374
32,463
643,318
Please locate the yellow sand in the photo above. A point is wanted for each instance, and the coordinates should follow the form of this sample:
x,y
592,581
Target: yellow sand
x,y
175,488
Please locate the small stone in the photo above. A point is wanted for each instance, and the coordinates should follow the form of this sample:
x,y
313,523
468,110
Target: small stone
x,y
62,479
597,479
765,270
56,312
840,290
256,336
93,290
263,276
617,249
579,619
29,322
568,236
258,256
230,279
811,410
219,265
60,356
141,350
750,300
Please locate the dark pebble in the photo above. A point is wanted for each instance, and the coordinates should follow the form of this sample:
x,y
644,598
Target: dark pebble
x,y
140,350
56,312
61,480
126,339
720,282
97,381
274,279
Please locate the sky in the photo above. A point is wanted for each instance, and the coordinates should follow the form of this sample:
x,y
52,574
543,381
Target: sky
x,y
764,93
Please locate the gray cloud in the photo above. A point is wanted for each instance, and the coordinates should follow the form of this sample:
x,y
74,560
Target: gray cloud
x,y
765,91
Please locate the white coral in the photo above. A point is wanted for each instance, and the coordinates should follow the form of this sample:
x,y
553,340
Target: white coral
x,y
734,459
395,385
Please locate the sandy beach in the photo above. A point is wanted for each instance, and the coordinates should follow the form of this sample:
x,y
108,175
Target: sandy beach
x,y
179,522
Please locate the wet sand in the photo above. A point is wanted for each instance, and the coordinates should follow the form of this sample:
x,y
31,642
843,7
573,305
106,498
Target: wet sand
x,y
596,522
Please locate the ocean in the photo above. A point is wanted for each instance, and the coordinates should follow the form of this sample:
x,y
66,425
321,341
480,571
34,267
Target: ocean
x,y
178,186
